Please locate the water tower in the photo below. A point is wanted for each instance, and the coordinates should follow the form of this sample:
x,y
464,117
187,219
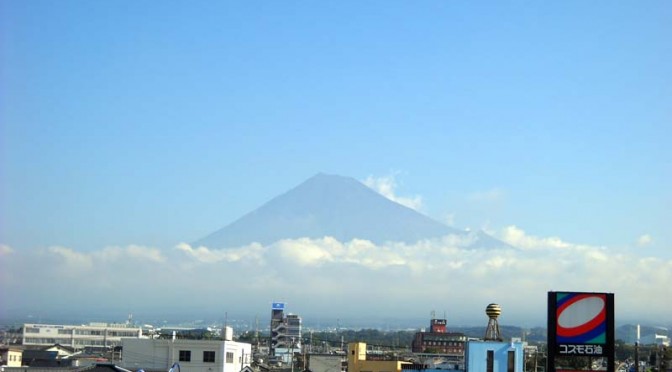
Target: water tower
x,y
492,332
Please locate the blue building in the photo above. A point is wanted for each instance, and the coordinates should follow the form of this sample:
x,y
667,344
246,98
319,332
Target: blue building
x,y
494,356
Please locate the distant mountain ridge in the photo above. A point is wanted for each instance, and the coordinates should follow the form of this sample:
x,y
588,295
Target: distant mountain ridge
x,y
336,206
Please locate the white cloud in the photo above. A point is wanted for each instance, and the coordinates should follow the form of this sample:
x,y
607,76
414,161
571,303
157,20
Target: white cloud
x,y
644,240
518,238
71,257
106,256
386,186
132,252
306,252
252,252
388,279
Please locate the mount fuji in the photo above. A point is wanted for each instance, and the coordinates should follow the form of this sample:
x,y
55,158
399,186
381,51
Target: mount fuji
x,y
339,207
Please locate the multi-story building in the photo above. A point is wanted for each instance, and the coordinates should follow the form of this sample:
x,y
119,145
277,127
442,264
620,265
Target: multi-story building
x,y
439,341
190,355
285,331
94,335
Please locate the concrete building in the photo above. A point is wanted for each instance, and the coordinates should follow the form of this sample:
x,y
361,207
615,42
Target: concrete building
x,y
358,361
439,341
94,335
494,356
191,355
10,356
285,330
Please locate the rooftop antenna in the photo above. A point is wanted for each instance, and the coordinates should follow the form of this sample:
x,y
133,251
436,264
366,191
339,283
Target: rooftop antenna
x,y
493,311
256,333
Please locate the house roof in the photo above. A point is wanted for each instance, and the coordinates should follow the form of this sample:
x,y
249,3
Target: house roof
x,y
103,367
10,348
60,347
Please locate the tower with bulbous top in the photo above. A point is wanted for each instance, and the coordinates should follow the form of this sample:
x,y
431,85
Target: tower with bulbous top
x,y
493,311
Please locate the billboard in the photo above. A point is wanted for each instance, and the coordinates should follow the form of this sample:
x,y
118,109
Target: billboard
x,y
580,324
278,306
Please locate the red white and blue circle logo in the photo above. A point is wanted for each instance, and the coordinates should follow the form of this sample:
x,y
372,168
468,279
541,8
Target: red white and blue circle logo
x,y
581,318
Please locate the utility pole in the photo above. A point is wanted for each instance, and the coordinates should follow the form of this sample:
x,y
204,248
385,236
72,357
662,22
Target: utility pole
x,y
535,360
256,333
291,357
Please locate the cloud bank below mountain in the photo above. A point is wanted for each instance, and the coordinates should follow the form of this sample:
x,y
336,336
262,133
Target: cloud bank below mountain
x,y
327,277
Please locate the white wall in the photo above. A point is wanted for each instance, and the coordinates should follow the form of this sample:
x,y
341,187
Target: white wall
x,y
161,354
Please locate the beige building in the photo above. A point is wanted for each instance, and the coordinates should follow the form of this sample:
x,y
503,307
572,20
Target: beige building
x,y
96,335
358,362
10,357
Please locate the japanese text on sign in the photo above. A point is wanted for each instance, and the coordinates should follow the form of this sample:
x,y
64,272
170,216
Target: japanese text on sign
x,y
580,349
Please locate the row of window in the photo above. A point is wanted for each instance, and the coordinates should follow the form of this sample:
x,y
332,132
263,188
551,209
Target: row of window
x,y
89,332
67,341
86,332
443,343
46,341
208,356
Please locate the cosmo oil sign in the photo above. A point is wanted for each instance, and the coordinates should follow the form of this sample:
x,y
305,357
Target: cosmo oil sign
x,y
580,324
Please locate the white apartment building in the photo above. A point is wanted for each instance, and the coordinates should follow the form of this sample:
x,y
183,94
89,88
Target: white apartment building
x,y
191,355
96,335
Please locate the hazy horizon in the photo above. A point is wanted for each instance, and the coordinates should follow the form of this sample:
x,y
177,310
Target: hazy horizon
x,y
351,279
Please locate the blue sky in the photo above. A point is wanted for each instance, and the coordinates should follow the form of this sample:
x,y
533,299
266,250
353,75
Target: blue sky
x,y
154,123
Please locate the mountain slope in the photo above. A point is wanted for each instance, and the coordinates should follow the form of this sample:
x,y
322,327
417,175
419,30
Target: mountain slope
x,y
336,206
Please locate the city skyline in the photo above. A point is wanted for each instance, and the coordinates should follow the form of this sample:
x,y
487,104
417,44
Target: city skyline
x,y
130,130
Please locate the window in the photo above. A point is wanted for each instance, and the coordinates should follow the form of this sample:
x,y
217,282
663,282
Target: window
x,y
185,355
229,357
511,362
490,366
208,356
